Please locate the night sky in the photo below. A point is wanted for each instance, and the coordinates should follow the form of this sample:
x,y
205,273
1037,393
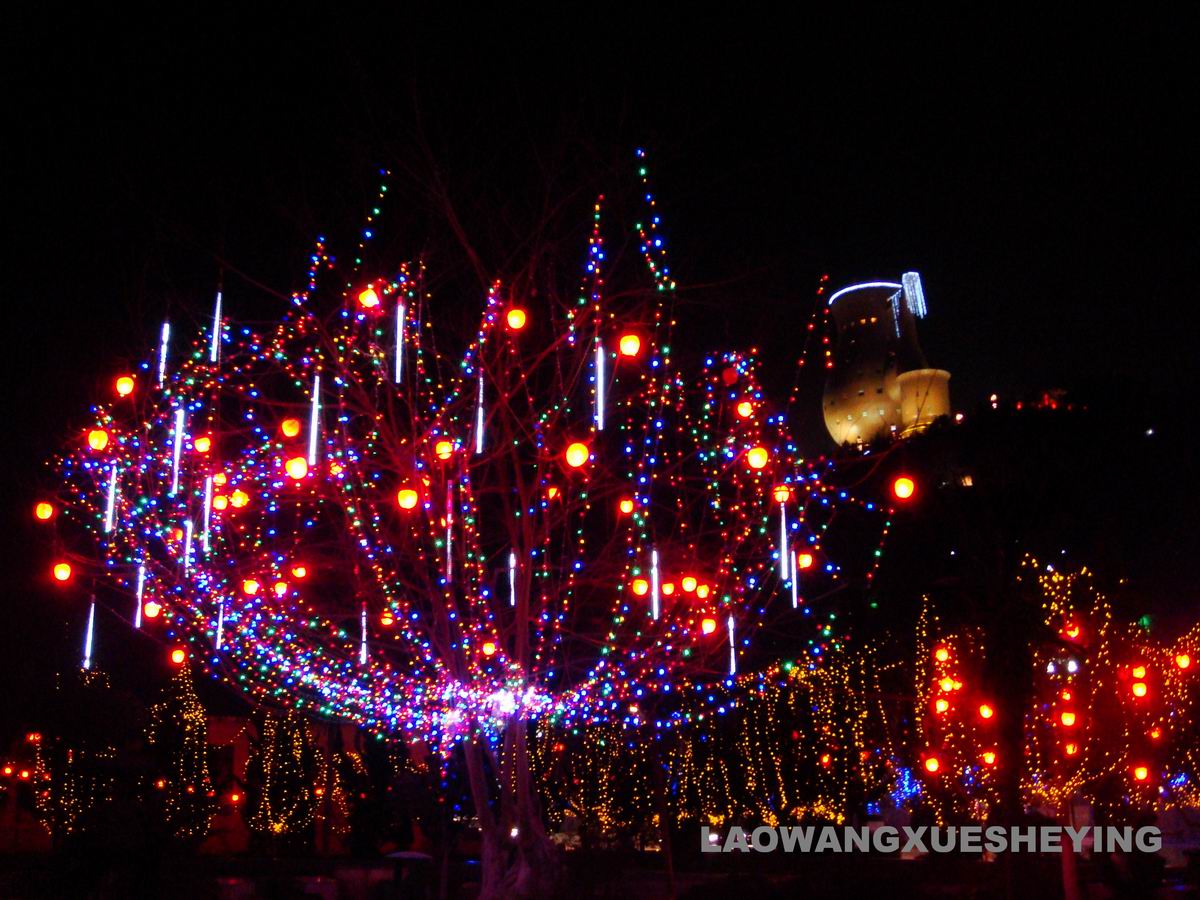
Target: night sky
x,y
1041,175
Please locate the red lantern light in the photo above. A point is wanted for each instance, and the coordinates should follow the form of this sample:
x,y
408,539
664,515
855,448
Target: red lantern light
x,y
904,488
577,454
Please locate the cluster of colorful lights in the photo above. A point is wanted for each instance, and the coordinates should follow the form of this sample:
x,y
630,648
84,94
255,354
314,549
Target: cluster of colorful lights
x,y
335,515
1111,719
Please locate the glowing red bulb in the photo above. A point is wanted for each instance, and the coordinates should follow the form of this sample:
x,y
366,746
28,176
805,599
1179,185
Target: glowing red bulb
x,y
903,488
577,454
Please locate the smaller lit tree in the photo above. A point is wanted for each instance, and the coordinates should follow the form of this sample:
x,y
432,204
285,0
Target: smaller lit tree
x,y
178,736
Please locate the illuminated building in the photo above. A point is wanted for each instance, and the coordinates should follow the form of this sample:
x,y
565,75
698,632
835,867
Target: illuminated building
x,y
879,382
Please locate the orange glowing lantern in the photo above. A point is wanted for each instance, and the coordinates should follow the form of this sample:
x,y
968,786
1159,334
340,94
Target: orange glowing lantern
x,y
903,488
941,705
946,684
986,711
640,586
757,457
626,506
299,571
630,345
1067,718
745,409
290,427
516,318
989,757
708,626
151,609
669,588
97,438
941,654
489,648
368,299
1139,689
688,583
703,591
220,501
297,467
281,588
238,499
250,587
62,571
932,765
406,498
782,493
124,386
804,560
443,450
577,454
45,511
1071,749
1141,773
178,656
386,619
202,444
1183,661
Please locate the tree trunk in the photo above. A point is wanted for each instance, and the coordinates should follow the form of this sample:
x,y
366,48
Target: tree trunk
x,y
517,859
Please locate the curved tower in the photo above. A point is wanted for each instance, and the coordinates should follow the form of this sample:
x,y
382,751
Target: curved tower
x,y
880,382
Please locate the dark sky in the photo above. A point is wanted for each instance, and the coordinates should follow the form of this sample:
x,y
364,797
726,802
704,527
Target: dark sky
x,y
1039,174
